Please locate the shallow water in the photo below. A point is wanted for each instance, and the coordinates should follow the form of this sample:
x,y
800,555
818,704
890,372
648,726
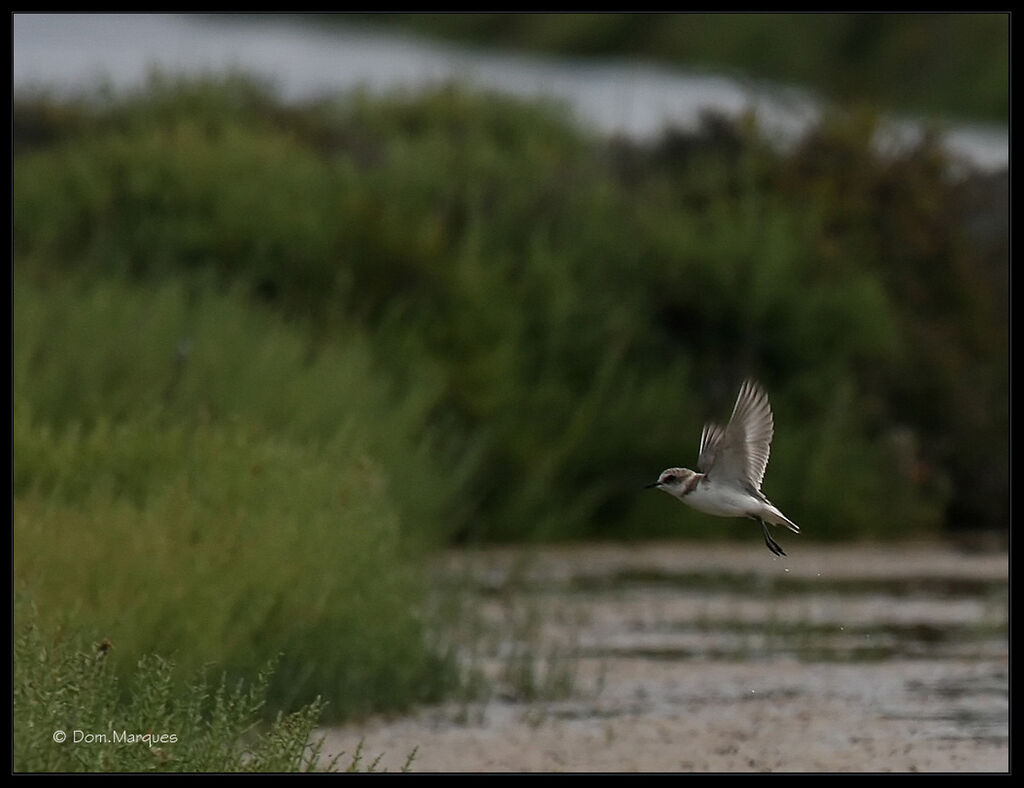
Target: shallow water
x,y
677,657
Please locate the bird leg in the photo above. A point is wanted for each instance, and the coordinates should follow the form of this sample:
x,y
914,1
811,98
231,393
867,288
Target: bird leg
x,y
772,544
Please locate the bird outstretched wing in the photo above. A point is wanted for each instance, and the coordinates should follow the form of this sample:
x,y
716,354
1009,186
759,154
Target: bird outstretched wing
x,y
710,438
739,452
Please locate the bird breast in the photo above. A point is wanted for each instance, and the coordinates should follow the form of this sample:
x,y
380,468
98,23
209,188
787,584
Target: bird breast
x,y
720,500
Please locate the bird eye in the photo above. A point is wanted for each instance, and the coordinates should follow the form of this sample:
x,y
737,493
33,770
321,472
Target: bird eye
x,y
669,478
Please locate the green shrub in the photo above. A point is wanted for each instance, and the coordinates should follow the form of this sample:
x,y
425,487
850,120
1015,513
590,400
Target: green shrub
x,y
561,313
72,714
228,503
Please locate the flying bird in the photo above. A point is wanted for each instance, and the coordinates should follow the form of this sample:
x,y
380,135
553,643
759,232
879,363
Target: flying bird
x,y
732,460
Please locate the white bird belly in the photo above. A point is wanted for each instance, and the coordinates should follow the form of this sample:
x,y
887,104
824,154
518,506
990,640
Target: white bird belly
x,y
722,501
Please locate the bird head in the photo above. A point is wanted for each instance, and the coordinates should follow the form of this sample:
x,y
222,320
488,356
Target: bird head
x,y
674,481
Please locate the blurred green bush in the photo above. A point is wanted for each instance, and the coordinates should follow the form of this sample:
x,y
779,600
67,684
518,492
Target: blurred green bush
x,y
268,356
190,478
573,308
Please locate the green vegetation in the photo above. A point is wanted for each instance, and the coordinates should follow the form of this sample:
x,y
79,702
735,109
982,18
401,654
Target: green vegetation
x,y
191,481
953,65
267,357
71,714
558,313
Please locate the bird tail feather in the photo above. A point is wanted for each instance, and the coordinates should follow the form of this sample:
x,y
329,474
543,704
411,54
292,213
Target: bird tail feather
x,y
775,517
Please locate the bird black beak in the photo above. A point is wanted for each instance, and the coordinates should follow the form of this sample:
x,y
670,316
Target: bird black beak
x,y
649,486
